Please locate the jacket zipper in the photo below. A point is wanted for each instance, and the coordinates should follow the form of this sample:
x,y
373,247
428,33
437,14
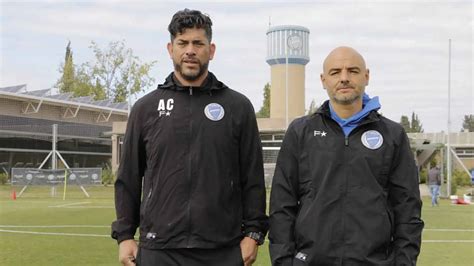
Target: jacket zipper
x,y
344,198
346,144
147,201
190,165
149,195
346,187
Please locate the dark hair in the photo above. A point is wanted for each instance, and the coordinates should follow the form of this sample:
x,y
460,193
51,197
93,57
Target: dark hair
x,y
188,19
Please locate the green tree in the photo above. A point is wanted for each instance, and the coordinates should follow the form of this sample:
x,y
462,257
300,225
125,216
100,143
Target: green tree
x,y
416,126
405,122
413,126
468,123
85,85
264,111
115,72
67,81
118,71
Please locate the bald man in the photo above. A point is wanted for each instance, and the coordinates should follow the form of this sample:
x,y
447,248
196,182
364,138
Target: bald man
x,y
345,189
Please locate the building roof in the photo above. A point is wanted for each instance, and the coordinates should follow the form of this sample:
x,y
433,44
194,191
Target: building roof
x,y
20,92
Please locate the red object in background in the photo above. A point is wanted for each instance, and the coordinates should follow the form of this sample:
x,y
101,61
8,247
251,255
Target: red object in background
x,y
461,202
13,195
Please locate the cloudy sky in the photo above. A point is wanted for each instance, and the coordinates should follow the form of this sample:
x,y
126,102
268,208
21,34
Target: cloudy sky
x,y
405,44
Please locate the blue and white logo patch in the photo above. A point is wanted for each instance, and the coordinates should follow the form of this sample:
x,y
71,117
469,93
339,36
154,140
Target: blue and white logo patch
x,y
372,139
301,256
214,111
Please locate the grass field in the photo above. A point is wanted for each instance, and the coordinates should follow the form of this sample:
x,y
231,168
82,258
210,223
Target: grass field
x,y
37,229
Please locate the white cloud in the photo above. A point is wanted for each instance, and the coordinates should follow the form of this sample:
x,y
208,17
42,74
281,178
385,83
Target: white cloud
x,y
404,43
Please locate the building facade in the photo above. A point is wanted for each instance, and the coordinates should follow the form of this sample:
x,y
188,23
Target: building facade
x,y
83,128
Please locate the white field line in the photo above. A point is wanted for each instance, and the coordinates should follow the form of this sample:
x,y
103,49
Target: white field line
x,y
107,226
96,235
75,206
54,226
435,241
449,230
69,204
447,241
53,234
22,201
88,207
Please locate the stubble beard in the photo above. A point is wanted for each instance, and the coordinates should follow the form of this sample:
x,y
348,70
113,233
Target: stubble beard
x,y
191,75
346,100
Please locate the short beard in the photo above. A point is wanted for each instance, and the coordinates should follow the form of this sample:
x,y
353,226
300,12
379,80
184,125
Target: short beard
x,y
347,100
202,69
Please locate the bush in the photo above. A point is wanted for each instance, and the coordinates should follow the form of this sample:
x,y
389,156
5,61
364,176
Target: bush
x,y
461,178
454,188
3,179
423,175
108,176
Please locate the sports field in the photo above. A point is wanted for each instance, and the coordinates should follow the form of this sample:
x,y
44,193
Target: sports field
x,y
37,229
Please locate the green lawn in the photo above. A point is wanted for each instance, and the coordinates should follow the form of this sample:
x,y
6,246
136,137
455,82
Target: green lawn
x,y
80,227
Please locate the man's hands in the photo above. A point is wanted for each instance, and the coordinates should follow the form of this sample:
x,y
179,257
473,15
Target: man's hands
x,y
249,248
128,252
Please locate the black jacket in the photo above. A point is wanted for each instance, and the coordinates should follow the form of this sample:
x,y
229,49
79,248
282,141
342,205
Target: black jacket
x,y
202,173
338,201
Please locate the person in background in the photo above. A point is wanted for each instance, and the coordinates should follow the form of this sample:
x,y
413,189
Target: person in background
x,y
434,182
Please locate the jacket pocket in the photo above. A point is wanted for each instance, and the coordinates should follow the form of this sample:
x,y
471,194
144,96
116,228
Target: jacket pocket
x,y
390,219
144,209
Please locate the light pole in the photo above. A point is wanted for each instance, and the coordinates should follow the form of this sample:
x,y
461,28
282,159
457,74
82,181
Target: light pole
x,y
448,141
286,83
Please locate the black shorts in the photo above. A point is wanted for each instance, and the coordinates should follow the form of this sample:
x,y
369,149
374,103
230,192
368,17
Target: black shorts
x,y
228,256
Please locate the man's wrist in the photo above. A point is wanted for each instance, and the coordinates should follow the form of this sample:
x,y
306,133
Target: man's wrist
x,y
257,236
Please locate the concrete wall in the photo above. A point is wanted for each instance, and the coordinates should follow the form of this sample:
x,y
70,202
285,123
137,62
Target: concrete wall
x,y
456,138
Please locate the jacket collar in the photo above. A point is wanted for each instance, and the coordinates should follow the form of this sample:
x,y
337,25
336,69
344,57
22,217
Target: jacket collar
x,y
210,83
325,111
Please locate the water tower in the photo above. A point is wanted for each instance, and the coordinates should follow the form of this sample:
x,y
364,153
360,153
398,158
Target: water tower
x,y
287,54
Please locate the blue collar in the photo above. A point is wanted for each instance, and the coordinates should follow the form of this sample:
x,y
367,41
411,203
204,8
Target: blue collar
x,y
349,124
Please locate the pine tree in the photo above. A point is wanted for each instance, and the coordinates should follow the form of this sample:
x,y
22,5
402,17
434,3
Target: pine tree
x,y
468,123
67,81
413,126
405,122
416,126
265,109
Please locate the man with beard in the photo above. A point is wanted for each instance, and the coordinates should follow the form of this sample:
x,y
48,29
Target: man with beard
x,y
191,172
345,189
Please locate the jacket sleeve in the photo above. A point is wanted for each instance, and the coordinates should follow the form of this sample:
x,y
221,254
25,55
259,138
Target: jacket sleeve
x,y
252,175
404,198
284,202
128,185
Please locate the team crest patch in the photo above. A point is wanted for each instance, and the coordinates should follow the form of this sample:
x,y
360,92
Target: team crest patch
x,y
301,256
214,111
372,139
